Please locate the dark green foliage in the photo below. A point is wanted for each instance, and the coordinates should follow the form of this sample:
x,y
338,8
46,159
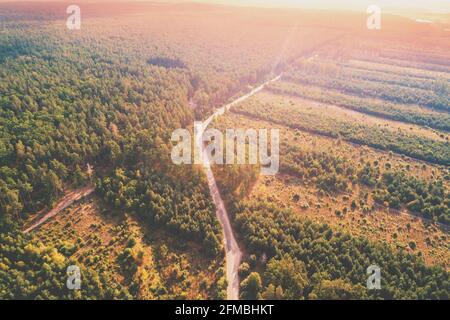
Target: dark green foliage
x,y
429,199
166,62
333,256
287,273
330,171
31,270
54,119
182,207
67,103
251,287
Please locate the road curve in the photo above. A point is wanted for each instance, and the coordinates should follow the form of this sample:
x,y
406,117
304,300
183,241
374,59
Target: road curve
x,y
232,251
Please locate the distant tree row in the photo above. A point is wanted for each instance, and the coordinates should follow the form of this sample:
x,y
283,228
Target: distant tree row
x,y
380,108
313,73
415,146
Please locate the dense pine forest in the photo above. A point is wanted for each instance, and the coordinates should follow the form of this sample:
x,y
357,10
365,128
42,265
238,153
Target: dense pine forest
x,y
73,101
97,107
57,116
363,171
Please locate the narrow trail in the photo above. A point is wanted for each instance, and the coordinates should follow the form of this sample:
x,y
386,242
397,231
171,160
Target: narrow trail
x,y
66,201
233,252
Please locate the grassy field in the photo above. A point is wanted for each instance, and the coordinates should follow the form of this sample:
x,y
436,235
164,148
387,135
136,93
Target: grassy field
x,y
378,223
364,149
318,109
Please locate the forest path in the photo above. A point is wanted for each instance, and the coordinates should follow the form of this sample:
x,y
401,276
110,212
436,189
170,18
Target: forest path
x,y
65,202
233,252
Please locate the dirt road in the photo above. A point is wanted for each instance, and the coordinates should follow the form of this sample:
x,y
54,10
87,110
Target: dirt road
x,y
66,201
233,253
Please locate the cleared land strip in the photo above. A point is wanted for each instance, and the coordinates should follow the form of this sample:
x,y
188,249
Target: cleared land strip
x,y
419,73
65,202
399,112
364,88
309,144
284,112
